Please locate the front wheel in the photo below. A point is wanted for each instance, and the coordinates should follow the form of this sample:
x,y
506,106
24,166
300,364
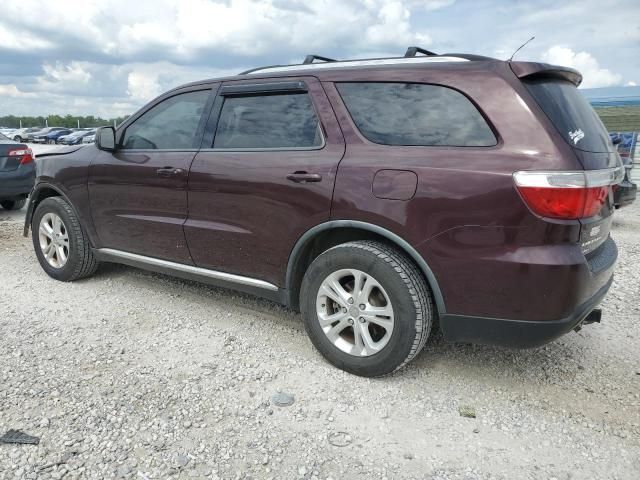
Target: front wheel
x,y
366,307
61,245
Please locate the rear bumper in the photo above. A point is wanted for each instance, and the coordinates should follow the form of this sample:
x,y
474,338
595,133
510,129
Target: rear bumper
x,y
17,182
516,333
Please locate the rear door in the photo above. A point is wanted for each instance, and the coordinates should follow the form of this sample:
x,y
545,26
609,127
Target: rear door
x,y
138,193
265,179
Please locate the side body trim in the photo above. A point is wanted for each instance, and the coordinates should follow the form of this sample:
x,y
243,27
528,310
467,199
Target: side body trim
x,y
123,257
399,241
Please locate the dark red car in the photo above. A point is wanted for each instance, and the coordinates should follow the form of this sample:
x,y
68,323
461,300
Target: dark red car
x,y
380,197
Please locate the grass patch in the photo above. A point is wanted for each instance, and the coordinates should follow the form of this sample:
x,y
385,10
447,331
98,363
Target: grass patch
x,y
620,119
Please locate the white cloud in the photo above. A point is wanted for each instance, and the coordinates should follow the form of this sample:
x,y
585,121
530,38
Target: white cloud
x,y
631,83
12,91
593,75
393,26
117,54
143,85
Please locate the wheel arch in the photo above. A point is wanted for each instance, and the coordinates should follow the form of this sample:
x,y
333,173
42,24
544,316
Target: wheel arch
x,y
39,193
326,235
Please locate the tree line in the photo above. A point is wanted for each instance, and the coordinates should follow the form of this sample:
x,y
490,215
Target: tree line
x,y
68,121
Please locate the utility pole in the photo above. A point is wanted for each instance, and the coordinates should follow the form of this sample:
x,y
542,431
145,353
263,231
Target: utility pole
x,y
78,123
46,122
20,123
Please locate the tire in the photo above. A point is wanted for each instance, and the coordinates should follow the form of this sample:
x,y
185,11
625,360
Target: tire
x,y
401,286
80,261
51,142
13,204
17,138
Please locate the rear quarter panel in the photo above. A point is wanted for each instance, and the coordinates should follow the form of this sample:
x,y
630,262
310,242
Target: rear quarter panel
x,y
466,207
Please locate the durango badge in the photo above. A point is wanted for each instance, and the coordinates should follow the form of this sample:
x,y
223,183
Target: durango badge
x,y
576,135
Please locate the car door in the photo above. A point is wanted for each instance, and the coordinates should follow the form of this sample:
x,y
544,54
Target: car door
x,y
265,179
138,194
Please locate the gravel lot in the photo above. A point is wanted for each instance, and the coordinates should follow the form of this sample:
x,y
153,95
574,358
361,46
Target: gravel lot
x,y
136,375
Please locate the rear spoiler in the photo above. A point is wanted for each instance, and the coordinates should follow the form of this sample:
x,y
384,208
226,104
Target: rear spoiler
x,y
533,70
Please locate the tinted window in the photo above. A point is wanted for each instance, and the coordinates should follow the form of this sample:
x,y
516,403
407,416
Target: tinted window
x,y
172,124
268,121
415,114
571,114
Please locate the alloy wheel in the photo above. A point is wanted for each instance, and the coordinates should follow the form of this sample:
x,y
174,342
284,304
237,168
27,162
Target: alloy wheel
x,y
54,240
355,312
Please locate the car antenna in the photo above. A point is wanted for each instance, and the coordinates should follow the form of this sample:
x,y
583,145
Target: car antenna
x,y
520,48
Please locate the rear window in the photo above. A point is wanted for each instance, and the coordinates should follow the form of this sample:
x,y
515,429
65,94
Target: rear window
x,y
415,115
571,114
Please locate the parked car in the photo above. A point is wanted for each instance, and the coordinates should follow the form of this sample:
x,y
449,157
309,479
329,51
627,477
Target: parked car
x,y
52,136
75,138
30,137
624,193
17,173
21,134
379,197
91,138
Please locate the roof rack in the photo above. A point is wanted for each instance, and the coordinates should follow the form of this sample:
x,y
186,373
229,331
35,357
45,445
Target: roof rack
x,y
413,51
411,56
310,58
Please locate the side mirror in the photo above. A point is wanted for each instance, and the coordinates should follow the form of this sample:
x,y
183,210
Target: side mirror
x,y
106,139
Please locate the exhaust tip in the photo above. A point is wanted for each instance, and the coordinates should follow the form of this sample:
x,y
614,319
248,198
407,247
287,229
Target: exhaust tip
x,y
594,317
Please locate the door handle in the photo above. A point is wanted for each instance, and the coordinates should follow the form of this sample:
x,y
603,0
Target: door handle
x,y
304,177
169,171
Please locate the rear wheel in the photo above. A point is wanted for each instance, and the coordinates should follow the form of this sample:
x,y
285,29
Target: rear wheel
x,y
17,138
366,307
13,204
61,245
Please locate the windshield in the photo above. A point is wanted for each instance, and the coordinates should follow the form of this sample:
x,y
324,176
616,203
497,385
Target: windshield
x,y
571,114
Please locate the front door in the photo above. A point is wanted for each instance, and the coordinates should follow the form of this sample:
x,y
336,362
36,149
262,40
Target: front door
x,y
138,193
265,179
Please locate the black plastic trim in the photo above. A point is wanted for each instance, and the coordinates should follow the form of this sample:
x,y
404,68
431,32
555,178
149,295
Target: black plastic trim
x,y
396,239
272,87
34,194
603,257
515,333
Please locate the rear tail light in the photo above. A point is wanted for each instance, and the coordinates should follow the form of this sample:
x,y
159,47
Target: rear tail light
x,y
567,195
25,153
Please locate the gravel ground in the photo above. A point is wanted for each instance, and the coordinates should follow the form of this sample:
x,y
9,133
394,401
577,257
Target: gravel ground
x,y
136,375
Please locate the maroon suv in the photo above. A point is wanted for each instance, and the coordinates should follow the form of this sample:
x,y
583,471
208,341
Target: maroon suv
x,y
379,197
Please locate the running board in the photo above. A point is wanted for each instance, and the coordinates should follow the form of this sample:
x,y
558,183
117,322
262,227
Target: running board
x,y
181,270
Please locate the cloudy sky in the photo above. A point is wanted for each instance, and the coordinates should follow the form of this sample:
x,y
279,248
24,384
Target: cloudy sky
x,y
109,57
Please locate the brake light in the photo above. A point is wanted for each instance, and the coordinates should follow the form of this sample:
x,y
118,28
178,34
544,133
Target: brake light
x,y
567,195
25,153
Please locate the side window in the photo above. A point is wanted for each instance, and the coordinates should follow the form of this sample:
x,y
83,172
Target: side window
x,y
268,121
172,124
415,114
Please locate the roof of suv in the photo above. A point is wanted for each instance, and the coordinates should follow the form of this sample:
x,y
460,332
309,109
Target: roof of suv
x,y
410,59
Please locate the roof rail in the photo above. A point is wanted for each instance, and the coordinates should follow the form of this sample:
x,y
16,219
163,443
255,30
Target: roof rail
x,y
413,51
310,58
